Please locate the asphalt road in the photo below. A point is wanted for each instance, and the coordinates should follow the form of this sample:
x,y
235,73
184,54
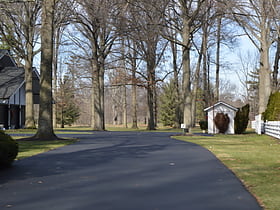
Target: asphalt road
x,y
123,171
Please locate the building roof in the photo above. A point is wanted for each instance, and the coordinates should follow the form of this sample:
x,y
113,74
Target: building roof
x,y
3,52
6,60
11,78
221,103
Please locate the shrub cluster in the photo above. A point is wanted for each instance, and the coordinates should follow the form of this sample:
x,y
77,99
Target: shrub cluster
x,y
203,124
272,112
241,119
8,150
222,122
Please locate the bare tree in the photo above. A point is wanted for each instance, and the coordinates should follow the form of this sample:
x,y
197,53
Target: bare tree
x,y
214,26
63,15
275,83
145,18
176,72
190,11
195,83
82,86
94,22
186,21
19,30
171,33
45,124
132,56
255,17
249,80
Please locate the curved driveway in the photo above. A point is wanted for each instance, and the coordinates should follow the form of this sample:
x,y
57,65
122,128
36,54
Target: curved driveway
x,y
123,171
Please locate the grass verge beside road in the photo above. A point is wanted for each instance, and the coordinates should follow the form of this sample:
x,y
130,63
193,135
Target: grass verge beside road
x,y
254,159
31,148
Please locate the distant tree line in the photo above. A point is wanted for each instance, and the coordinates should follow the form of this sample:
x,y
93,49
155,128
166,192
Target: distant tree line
x,y
171,52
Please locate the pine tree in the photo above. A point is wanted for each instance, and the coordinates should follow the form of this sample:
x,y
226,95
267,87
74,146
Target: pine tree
x,y
168,105
68,111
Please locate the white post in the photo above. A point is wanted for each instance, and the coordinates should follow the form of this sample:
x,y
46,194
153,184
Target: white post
x,y
258,125
9,115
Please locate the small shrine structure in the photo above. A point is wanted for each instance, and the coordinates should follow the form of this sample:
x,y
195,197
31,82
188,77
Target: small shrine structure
x,y
220,107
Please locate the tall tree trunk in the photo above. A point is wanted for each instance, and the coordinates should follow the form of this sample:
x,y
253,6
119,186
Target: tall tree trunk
x,y
264,77
134,92
134,105
29,104
98,70
151,91
45,125
217,89
123,66
276,67
114,105
29,109
150,99
124,107
176,85
55,65
155,105
101,93
205,74
96,121
196,80
186,75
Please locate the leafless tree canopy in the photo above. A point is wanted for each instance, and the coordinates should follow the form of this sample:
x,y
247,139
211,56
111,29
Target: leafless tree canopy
x,y
119,52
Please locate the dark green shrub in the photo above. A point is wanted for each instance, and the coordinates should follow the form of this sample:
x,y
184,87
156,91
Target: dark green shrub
x,y
8,150
241,119
221,121
203,125
272,112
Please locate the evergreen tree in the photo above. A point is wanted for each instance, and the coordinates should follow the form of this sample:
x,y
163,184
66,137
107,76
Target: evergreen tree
x,y
168,105
241,119
272,112
67,110
69,114
253,91
200,103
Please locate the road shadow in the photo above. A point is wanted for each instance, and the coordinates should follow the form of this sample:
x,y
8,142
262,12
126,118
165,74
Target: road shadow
x,y
77,156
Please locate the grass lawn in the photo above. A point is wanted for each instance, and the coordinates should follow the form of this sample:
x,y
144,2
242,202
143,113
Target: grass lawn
x,y
30,148
57,131
142,128
253,158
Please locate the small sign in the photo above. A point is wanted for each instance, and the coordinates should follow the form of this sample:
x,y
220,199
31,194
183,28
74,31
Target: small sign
x,y
183,126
